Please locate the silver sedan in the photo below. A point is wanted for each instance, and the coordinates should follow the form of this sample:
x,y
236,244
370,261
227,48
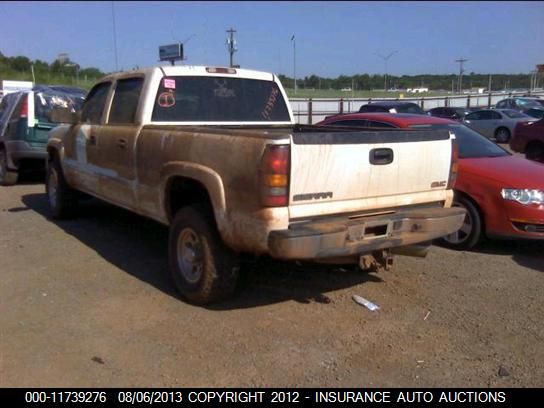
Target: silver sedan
x,y
496,123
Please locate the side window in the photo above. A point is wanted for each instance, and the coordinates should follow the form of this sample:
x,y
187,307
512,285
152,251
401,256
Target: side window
x,y
495,115
473,116
125,100
486,115
502,104
359,123
94,105
375,124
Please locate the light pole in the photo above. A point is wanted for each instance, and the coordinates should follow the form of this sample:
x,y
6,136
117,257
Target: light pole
x,y
385,59
294,61
114,37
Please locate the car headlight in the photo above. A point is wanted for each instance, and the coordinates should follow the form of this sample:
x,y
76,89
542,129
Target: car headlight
x,y
524,196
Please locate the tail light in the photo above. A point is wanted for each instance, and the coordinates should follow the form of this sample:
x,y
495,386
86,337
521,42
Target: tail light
x,y
454,163
23,112
274,176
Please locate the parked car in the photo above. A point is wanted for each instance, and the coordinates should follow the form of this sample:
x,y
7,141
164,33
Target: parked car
x,y
496,123
450,112
25,120
529,139
525,105
392,107
503,194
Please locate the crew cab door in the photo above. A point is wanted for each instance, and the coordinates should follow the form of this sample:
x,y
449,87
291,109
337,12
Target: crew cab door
x,y
117,142
81,148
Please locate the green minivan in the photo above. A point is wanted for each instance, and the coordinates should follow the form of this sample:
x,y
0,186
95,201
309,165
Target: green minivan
x,y
25,123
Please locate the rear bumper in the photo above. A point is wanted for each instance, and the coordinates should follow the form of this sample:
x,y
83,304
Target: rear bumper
x,y
341,237
20,149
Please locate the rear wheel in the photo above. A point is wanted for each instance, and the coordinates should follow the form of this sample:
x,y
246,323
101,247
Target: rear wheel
x,y
204,270
62,199
471,232
502,135
7,177
535,151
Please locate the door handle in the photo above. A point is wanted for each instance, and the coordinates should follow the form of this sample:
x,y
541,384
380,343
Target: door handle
x,y
92,140
122,143
381,156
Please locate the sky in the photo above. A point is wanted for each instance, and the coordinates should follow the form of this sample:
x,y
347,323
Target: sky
x,y
331,38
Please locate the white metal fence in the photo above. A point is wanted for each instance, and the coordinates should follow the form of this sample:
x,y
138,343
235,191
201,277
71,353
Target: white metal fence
x,y
313,110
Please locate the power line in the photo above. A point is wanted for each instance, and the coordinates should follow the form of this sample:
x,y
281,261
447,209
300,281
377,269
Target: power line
x,y
385,59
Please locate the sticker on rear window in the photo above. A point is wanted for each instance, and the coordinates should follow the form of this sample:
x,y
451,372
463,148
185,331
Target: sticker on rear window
x,y
166,99
170,83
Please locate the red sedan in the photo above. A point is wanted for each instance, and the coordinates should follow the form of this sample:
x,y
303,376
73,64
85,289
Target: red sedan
x,y
528,138
503,194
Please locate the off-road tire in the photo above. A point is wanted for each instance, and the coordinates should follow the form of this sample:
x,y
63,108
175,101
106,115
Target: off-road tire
x,y
63,200
7,177
194,240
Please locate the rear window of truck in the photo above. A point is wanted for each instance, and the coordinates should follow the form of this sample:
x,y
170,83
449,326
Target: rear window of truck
x,y
218,99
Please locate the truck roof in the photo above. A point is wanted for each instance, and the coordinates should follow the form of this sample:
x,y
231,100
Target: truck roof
x,y
196,70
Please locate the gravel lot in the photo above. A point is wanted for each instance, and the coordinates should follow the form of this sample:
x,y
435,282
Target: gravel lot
x,y
86,302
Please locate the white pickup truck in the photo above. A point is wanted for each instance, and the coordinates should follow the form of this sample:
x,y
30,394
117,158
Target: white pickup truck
x,y
215,154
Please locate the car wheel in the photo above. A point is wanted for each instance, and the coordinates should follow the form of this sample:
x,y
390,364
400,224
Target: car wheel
x,y
502,135
535,152
62,199
471,232
203,269
7,177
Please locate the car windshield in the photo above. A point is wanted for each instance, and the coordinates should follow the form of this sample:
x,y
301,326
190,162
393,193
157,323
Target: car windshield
x,y
528,103
471,144
514,114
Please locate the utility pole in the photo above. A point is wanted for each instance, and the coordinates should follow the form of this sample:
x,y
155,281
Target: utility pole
x,y
385,59
114,37
489,84
231,44
461,61
294,61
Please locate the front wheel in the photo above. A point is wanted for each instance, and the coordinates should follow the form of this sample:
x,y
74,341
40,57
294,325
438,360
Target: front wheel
x,y
471,232
204,270
7,177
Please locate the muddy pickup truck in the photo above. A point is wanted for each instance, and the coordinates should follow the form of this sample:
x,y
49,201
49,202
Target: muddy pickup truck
x,y
214,153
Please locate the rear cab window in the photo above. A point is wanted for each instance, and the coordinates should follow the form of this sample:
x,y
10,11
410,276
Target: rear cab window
x,y
218,99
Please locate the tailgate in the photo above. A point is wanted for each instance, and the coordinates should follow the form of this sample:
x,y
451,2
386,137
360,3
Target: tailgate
x,y
376,165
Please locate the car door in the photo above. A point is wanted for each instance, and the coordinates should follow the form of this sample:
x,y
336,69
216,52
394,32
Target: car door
x,y
117,142
81,146
480,122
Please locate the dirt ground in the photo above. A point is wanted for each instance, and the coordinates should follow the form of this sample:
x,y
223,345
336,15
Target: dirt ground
x,y
87,303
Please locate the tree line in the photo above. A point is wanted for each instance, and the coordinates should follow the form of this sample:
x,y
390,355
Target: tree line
x,y
433,82
66,71
61,71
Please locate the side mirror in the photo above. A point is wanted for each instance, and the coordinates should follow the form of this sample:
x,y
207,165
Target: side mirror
x,y
64,115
